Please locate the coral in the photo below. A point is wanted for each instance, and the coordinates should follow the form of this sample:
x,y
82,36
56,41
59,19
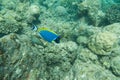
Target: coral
x,y
61,52
86,55
33,13
102,43
88,71
115,65
82,40
60,10
22,54
113,13
114,28
105,4
26,56
9,4
105,60
34,10
91,9
9,24
70,5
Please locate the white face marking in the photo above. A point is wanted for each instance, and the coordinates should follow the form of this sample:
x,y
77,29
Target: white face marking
x,y
34,27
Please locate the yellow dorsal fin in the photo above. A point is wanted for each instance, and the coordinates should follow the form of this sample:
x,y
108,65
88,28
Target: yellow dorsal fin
x,y
44,28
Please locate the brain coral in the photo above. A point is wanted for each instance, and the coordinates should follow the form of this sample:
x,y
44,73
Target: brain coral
x,y
102,43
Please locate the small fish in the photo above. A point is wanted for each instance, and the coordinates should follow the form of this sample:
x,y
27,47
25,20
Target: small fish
x,y
47,34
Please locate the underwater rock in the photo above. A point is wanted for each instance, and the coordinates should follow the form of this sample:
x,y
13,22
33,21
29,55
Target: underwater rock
x,y
33,74
114,28
106,4
115,65
92,9
105,61
23,58
86,55
71,7
113,13
9,4
88,71
59,59
82,40
69,46
61,53
60,10
34,10
26,56
33,13
116,51
9,24
102,43
18,56
8,41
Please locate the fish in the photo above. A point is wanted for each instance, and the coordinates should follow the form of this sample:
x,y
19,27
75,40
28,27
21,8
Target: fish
x,y
47,34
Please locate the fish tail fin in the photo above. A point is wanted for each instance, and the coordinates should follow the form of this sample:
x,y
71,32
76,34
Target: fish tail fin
x,y
57,40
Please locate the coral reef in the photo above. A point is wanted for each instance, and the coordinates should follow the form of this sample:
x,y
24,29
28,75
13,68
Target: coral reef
x,y
114,28
33,13
34,10
102,43
83,70
28,60
115,65
82,40
86,55
9,24
113,14
105,61
88,50
91,9
61,53
13,19
71,6
56,57
60,10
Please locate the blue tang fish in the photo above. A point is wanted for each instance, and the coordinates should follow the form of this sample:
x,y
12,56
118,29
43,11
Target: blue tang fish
x,y
47,34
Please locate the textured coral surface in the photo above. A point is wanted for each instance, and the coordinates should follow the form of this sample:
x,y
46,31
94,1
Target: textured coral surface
x,y
89,47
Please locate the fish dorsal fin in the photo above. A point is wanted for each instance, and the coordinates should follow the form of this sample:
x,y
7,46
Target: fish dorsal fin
x,y
44,28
